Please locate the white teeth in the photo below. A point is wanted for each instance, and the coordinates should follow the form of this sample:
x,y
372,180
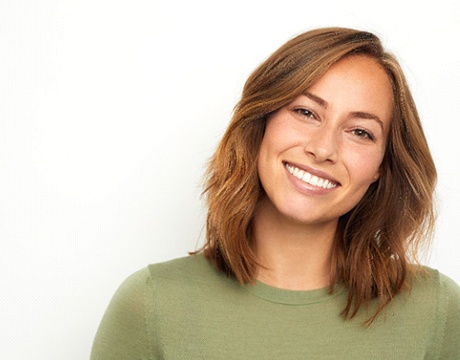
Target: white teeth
x,y
306,177
314,181
309,178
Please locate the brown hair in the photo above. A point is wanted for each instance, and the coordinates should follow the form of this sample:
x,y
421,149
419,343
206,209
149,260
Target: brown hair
x,y
377,241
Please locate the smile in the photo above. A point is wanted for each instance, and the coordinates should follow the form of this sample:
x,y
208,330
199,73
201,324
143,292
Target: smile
x,y
309,178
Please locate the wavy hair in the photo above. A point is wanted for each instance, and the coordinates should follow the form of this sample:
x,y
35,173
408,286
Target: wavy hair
x,y
377,242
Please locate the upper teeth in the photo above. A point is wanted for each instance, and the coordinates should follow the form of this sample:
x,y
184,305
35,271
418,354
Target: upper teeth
x,y
309,178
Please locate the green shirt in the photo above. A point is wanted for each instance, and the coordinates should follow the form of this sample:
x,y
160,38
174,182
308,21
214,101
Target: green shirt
x,y
185,309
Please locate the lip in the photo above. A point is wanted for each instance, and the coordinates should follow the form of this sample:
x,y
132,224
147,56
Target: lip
x,y
307,188
312,171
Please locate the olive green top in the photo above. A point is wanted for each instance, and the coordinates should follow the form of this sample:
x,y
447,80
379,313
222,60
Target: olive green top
x,y
185,309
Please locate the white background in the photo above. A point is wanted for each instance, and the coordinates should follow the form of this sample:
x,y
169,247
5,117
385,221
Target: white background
x,y
109,111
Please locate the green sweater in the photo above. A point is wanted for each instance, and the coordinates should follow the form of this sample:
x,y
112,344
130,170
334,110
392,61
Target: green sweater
x,y
185,309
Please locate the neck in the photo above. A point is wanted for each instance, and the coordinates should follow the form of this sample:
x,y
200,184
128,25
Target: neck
x,y
292,255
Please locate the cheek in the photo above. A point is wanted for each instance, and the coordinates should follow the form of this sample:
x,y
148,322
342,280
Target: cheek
x,y
263,159
273,143
364,165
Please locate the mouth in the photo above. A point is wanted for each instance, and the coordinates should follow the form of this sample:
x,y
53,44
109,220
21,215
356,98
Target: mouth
x,y
310,179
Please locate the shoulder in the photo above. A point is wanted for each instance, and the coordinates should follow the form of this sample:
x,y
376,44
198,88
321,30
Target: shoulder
x,y
429,280
167,277
193,273
129,327
122,328
449,288
440,293
192,267
185,266
432,301
448,297
432,288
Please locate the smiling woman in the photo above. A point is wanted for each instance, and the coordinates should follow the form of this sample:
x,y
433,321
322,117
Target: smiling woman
x,y
335,150
324,145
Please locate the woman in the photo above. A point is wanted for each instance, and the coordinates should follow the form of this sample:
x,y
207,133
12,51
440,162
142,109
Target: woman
x,y
319,196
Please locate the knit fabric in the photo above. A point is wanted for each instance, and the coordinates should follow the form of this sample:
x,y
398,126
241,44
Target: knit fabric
x,y
185,309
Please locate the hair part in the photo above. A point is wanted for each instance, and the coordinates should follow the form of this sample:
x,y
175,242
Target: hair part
x,y
377,242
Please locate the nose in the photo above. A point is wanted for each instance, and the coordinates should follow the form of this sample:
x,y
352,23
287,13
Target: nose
x,y
321,144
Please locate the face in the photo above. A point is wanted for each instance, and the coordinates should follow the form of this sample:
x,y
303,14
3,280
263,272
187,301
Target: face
x,y
321,152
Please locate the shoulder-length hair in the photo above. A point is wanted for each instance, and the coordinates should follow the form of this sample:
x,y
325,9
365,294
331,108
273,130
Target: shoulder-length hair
x,y
376,242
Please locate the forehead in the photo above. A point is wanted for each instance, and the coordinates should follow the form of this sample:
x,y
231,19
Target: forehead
x,y
357,83
357,71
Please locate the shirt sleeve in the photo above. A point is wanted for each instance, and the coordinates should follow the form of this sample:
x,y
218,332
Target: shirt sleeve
x,y
450,303
122,333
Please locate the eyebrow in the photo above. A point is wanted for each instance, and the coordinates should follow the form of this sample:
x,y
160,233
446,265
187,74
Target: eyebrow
x,y
365,115
323,103
356,114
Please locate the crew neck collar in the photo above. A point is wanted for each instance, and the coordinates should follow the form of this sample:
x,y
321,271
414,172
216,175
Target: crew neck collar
x,y
292,297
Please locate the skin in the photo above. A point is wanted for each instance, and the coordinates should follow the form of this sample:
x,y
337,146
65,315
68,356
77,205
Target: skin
x,y
337,131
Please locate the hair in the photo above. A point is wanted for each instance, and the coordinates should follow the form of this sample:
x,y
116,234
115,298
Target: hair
x,y
376,245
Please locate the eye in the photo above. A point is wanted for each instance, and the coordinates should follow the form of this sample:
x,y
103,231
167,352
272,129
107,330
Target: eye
x,y
361,133
305,113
